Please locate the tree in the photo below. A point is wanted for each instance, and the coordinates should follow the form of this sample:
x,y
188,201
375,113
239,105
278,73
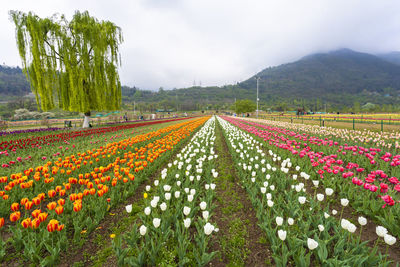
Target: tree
x,y
71,63
245,105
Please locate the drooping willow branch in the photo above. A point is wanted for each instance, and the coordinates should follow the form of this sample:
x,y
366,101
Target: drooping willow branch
x,y
73,64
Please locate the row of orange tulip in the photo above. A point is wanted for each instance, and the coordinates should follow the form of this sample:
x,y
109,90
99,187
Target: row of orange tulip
x,y
120,168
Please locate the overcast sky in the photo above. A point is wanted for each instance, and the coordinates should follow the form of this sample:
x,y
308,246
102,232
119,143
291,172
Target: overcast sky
x,y
174,43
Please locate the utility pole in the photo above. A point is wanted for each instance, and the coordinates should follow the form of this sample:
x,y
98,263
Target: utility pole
x,y
257,78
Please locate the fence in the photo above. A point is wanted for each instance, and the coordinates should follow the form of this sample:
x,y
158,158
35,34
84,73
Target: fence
x,y
337,121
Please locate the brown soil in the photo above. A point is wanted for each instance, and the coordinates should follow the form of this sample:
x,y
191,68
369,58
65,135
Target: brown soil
x,y
229,192
90,247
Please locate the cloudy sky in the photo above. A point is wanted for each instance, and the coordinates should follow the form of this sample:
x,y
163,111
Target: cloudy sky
x,y
174,43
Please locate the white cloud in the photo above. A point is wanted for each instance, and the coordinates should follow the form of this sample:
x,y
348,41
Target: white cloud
x,y
173,43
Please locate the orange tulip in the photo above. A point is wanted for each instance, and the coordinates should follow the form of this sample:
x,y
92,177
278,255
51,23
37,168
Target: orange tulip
x,y
15,216
60,227
26,223
15,206
59,210
41,196
77,207
36,201
51,193
1,222
24,200
72,197
28,205
43,216
36,213
52,226
52,205
35,223
61,202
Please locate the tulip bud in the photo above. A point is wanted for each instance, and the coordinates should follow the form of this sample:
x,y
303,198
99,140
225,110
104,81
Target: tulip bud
x,y
362,221
143,230
156,222
282,235
312,244
187,222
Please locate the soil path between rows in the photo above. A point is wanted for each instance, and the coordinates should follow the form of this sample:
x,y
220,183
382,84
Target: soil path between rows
x,y
87,254
240,240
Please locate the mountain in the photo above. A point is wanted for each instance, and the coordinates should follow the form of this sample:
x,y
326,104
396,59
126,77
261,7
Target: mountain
x,y
340,79
13,82
393,57
339,76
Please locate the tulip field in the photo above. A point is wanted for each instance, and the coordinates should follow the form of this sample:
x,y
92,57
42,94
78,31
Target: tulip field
x,y
149,194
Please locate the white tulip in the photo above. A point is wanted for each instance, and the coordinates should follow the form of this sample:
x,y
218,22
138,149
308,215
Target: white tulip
x,y
156,182
320,197
208,228
282,235
321,228
148,187
207,186
187,222
205,214
167,187
163,206
147,210
178,183
302,200
190,198
294,176
156,222
390,240
128,208
344,202
381,231
312,244
265,184
203,205
186,190
334,212
345,224
290,221
270,203
351,228
192,191
297,168
263,190
362,221
212,186
167,196
269,196
326,215
272,187
253,179
186,210
153,203
143,230
328,191
177,194
279,221
315,182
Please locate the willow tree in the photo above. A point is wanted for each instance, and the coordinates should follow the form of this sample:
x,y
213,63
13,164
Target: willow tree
x,y
70,64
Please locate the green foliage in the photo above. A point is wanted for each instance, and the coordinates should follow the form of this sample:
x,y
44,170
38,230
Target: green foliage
x,y
244,106
73,63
